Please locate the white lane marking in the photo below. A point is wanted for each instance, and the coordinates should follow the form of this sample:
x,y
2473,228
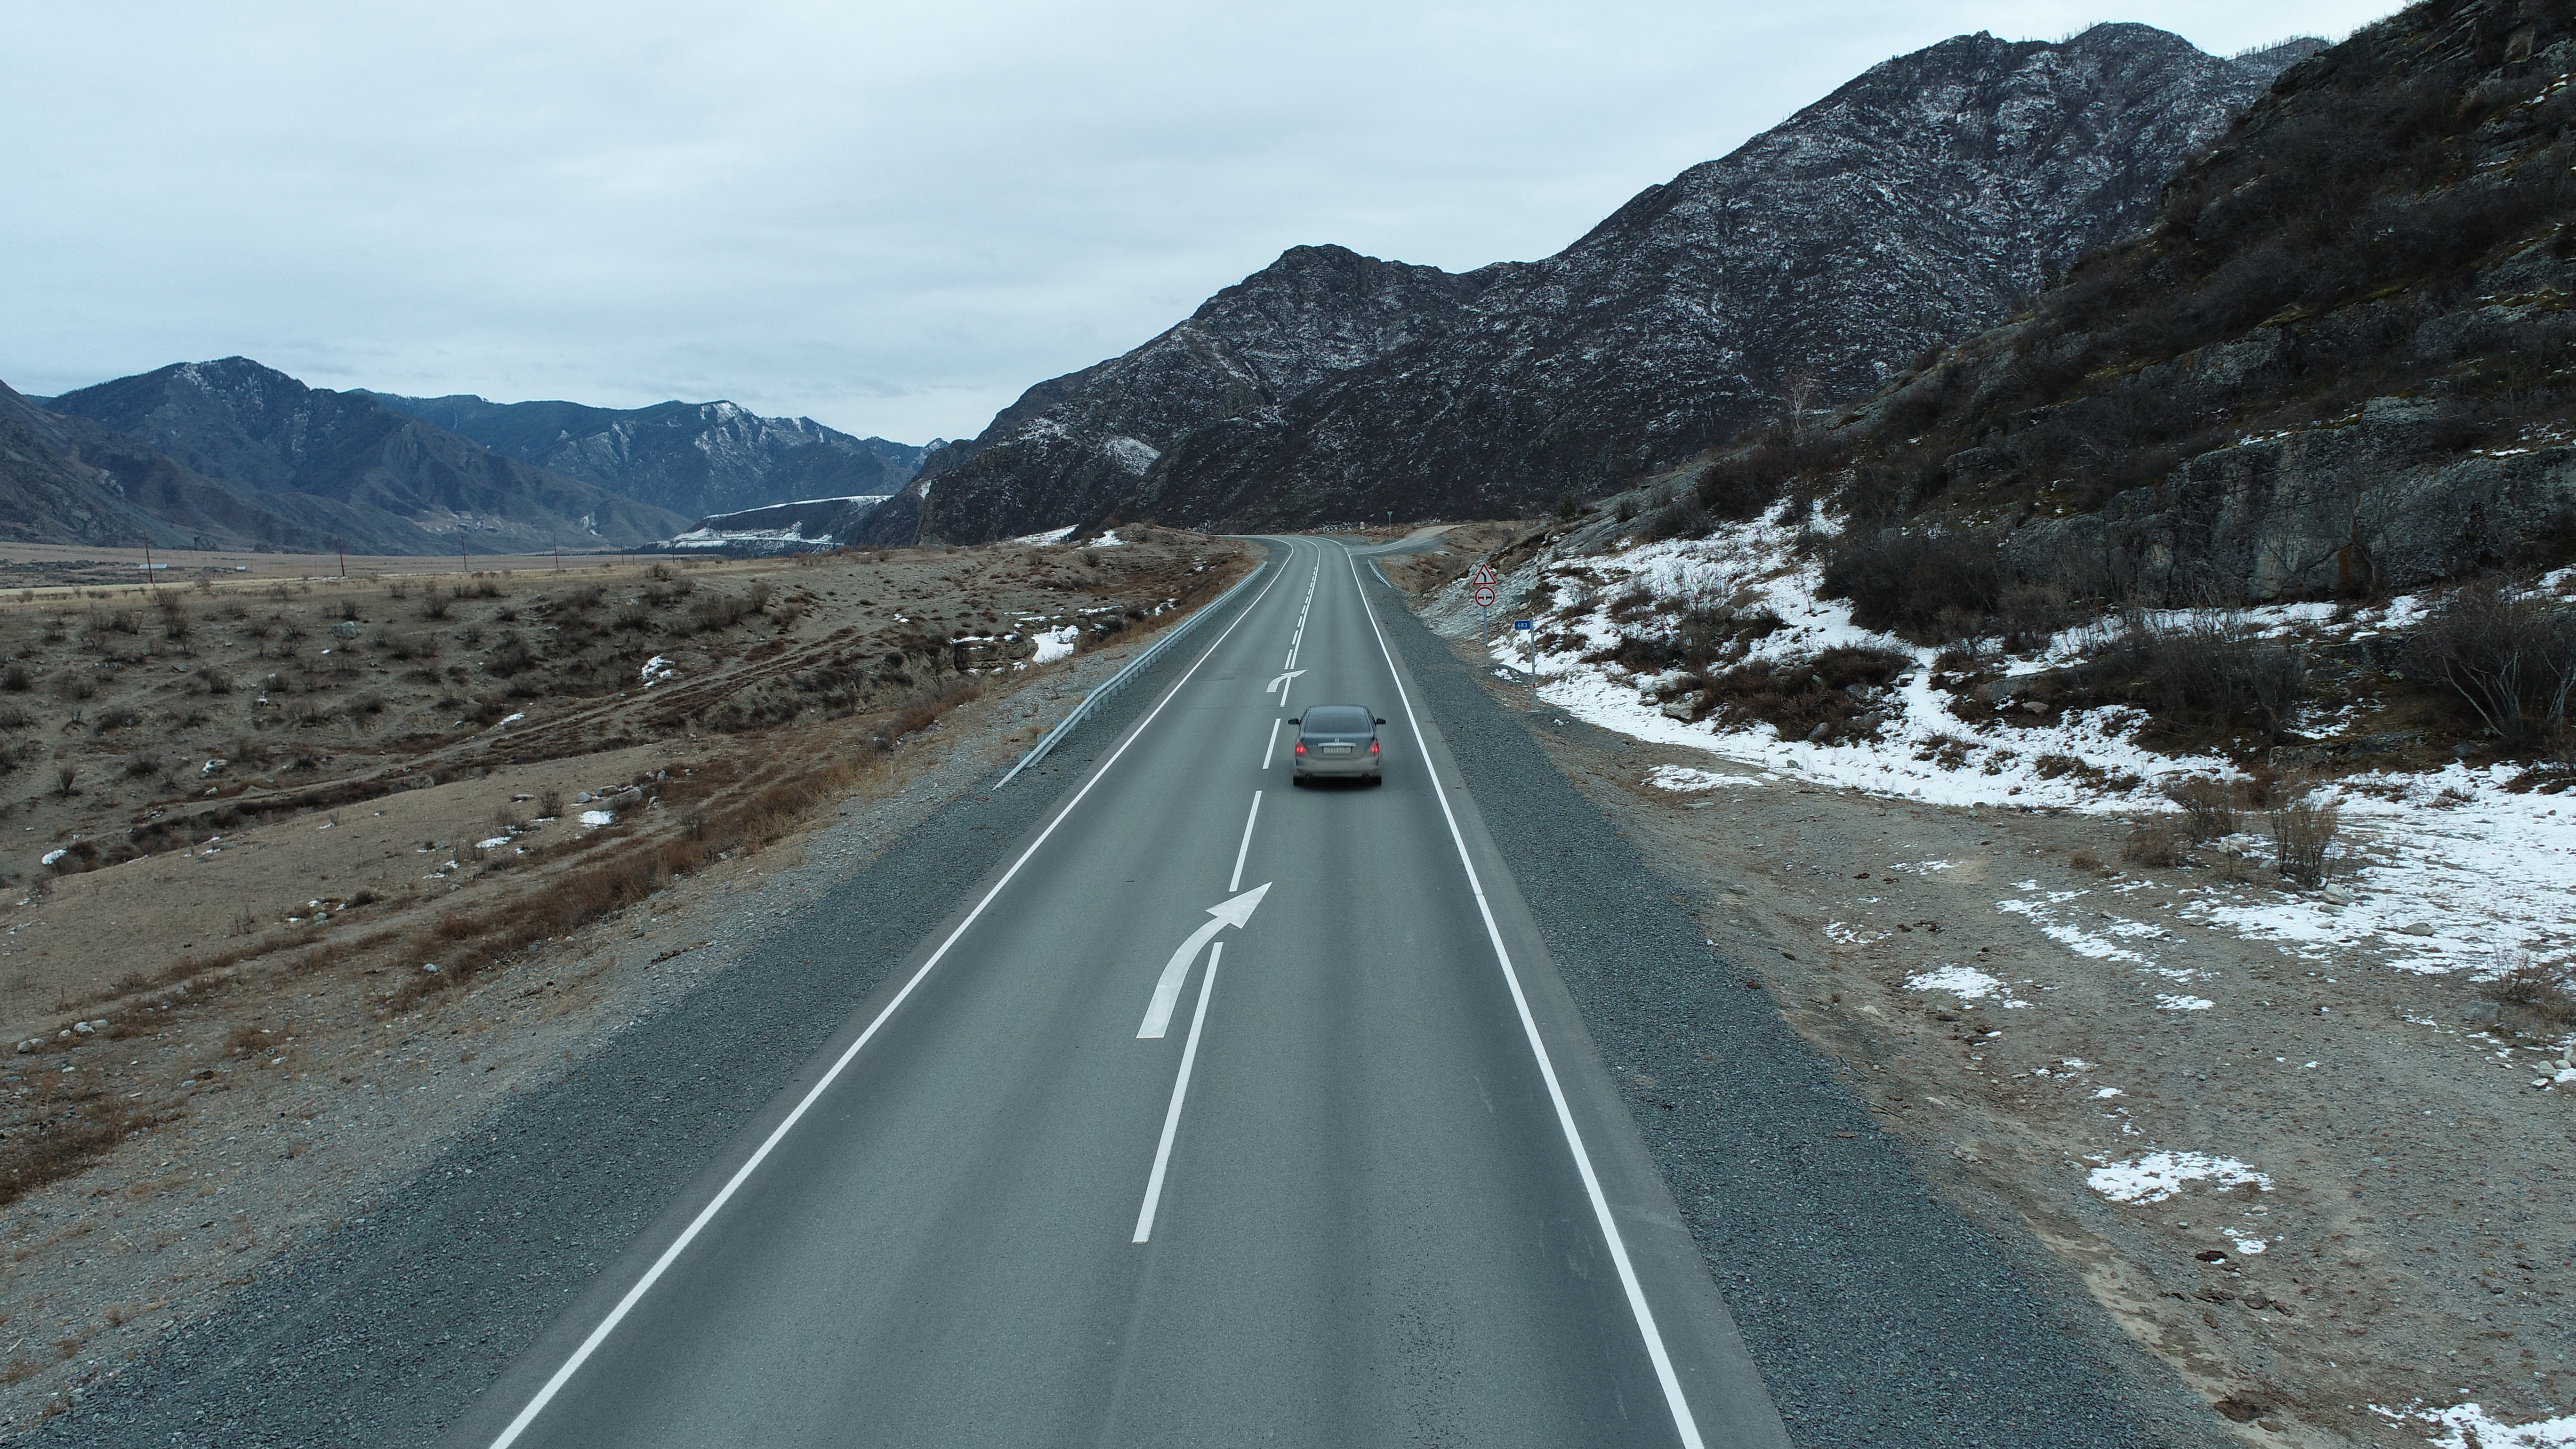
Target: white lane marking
x,y
1176,972
625,1305
1180,1089
1236,884
1273,745
1274,685
1683,1421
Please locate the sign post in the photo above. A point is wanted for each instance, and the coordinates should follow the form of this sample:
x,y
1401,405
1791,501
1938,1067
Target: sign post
x,y
1528,631
1487,589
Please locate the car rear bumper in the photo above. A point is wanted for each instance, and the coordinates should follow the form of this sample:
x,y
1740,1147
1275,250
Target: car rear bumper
x,y
1336,767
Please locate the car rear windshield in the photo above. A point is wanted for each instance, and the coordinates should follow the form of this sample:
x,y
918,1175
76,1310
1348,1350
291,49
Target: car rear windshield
x,y
1337,719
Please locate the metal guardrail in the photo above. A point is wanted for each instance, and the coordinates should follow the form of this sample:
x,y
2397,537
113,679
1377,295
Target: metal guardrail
x,y
1127,675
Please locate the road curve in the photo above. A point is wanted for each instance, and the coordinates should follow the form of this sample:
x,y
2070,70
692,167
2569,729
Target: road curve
x,y
1363,1182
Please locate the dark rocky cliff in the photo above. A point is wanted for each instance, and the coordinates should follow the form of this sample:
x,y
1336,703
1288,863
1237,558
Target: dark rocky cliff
x,y
1913,206
2337,362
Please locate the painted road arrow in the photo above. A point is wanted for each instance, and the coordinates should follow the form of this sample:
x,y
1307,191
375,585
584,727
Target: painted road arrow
x,y
1158,1014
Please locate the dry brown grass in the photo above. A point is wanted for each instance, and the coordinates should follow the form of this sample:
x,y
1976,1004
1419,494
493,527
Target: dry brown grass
x,y
2157,842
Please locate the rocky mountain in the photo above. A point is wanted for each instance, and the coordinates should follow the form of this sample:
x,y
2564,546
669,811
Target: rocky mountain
x,y
1920,202
402,483
2335,363
691,458
67,479
1076,444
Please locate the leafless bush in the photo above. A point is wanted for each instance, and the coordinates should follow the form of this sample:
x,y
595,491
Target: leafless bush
x,y
2303,835
2208,805
2155,842
66,774
16,679
2510,656
434,602
2211,665
2084,859
2535,991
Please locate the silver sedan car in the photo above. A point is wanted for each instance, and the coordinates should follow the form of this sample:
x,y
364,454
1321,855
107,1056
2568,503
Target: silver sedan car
x,y
1336,741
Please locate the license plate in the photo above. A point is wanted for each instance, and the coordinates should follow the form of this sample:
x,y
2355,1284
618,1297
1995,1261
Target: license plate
x,y
1339,749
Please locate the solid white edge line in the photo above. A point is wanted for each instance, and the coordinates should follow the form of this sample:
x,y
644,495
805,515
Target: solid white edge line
x,y
1683,1420
1274,742
1180,1089
1245,848
599,1335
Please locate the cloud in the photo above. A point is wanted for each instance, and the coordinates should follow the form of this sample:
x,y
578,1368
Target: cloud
x,y
889,217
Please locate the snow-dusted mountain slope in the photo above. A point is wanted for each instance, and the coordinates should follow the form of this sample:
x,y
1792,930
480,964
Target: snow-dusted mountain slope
x,y
1073,445
691,458
1913,206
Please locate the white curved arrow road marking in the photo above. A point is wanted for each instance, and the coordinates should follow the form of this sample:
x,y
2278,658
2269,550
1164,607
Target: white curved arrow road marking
x,y
1158,1014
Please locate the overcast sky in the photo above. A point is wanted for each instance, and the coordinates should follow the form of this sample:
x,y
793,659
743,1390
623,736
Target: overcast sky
x,y
889,217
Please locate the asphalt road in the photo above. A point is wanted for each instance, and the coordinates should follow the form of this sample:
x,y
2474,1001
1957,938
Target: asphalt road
x,y
1370,1230
1101,1167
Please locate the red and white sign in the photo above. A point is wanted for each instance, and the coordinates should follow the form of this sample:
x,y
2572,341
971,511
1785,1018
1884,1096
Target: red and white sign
x,y
1484,596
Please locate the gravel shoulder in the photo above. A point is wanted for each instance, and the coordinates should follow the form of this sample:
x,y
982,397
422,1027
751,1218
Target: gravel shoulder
x,y
1880,1303
2319,1199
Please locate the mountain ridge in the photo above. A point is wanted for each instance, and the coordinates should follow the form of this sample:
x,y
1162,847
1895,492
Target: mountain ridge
x,y
1915,204
262,433
694,459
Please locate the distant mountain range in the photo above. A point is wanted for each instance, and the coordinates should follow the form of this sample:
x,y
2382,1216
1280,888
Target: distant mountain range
x,y
694,459
232,454
1922,201
401,484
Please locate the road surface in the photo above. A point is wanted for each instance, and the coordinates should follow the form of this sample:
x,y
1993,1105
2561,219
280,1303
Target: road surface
x,y
1222,1112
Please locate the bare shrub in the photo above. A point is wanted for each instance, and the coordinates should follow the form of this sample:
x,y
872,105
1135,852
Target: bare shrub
x,y
2156,842
2303,835
2084,859
2208,805
66,775
434,602
16,679
2534,991
15,717
2210,666
2510,656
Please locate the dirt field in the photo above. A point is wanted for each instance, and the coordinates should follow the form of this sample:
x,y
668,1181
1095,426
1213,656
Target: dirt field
x,y
331,912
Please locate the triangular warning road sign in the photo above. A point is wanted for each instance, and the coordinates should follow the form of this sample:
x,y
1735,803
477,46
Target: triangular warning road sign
x,y
1484,576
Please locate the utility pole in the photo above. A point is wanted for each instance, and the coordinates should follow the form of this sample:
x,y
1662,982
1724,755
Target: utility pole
x,y
343,550
147,561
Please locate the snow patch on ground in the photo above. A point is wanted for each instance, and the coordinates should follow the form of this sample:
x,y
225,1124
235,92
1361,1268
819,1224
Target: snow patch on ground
x,y
1683,778
2476,870
2467,1426
1052,535
598,817
2160,1175
1054,644
655,670
1965,982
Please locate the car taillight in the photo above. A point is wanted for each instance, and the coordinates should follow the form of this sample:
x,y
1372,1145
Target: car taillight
x,y
1372,747
1301,747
